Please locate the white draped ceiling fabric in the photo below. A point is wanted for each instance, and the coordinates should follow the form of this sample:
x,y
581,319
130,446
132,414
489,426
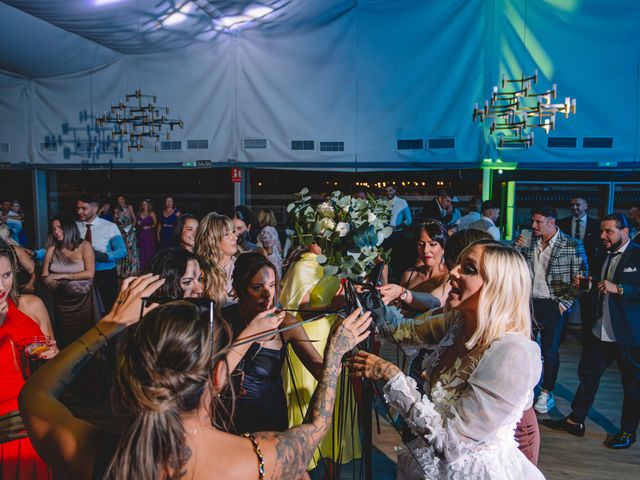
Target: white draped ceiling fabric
x,y
363,73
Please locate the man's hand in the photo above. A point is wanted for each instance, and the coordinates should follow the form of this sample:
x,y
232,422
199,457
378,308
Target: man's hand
x,y
605,286
100,256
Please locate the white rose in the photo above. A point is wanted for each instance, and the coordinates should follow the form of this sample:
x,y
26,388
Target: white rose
x,y
343,228
371,217
325,209
327,224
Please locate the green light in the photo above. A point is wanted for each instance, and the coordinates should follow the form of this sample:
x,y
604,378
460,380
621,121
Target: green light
x,y
511,210
487,183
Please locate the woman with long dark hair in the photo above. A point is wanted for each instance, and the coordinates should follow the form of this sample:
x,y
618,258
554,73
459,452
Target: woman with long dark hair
x,y
68,269
146,222
184,232
125,218
167,219
21,317
428,277
169,378
261,403
181,272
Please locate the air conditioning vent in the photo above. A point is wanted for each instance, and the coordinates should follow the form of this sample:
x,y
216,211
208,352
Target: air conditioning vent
x,y
4,147
303,145
250,143
332,146
562,142
441,143
172,145
197,144
49,147
597,142
411,144
203,163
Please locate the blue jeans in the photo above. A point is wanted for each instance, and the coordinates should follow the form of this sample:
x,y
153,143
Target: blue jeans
x,y
550,322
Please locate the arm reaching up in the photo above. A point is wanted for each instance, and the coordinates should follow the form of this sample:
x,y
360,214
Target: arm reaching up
x,y
288,454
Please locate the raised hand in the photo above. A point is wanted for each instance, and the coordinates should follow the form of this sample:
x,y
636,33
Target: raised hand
x,y
350,331
368,365
390,292
126,309
266,321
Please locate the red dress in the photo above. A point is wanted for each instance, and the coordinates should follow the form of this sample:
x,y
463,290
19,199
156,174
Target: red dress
x,y
18,459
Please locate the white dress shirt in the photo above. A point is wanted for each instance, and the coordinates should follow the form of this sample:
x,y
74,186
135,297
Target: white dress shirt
x,y
400,212
603,328
541,257
468,219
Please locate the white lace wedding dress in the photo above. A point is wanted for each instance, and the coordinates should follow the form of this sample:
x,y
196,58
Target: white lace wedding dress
x,y
466,423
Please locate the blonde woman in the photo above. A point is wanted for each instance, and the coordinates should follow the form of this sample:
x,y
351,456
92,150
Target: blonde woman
x,y
479,380
216,246
268,238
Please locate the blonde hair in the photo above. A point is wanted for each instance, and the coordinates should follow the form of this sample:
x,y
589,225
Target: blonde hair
x,y
211,230
266,217
503,305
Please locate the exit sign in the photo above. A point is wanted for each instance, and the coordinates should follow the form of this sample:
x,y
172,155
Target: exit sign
x,y
236,175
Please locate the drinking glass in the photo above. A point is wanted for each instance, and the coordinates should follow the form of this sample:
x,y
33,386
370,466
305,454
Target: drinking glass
x,y
33,352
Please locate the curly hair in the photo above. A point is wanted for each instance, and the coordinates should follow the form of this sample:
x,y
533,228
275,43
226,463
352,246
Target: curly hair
x,y
212,229
7,251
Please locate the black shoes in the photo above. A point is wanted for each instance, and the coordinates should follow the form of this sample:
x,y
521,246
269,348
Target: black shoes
x,y
620,440
576,429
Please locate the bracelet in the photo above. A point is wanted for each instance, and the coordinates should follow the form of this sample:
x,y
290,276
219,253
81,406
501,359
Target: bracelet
x,y
256,449
85,347
106,340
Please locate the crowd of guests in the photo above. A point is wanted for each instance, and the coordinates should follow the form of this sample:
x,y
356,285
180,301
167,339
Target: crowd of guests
x,y
177,315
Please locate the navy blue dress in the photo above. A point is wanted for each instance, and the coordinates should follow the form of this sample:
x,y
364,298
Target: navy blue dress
x,y
261,404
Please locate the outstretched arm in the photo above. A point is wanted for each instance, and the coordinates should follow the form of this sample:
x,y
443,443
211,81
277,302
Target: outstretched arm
x,y
288,454
65,442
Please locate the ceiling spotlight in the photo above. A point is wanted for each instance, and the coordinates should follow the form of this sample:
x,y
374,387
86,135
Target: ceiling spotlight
x,y
257,11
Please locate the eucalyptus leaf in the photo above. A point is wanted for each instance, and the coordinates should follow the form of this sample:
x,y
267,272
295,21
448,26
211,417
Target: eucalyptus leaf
x,y
304,191
330,270
321,259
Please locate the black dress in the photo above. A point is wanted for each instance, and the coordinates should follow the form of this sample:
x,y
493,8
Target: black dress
x,y
261,404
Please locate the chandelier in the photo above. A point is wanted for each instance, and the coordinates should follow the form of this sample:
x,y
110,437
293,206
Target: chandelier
x,y
514,110
139,118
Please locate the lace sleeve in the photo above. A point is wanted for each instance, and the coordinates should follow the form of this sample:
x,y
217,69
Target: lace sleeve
x,y
425,329
496,394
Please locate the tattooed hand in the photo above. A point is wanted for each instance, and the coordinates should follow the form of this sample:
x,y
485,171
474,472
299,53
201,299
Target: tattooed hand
x,y
350,332
370,366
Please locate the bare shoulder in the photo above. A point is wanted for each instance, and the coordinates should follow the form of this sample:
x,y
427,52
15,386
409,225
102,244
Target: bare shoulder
x,y
31,305
235,457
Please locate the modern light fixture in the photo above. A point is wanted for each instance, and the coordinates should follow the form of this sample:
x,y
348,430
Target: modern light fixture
x,y
515,109
137,122
514,112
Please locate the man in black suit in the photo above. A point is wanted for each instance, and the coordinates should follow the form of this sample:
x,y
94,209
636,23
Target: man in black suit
x,y
579,225
440,208
614,336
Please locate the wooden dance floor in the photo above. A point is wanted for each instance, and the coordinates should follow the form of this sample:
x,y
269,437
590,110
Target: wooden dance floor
x,y
563,456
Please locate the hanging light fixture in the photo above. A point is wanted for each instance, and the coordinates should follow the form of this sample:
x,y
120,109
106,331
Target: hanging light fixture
x,y
135,123
515,109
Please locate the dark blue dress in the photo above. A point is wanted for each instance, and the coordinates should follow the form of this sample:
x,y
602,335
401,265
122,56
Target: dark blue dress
x,y
261,404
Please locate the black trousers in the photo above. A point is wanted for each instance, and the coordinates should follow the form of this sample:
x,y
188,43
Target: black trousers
x,y
550,322
106,282
596,357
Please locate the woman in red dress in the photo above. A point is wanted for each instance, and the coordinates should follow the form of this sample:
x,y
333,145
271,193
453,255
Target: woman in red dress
x,y
20,318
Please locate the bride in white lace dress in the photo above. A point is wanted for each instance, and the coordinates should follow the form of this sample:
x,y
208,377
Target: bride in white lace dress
x,y
479,379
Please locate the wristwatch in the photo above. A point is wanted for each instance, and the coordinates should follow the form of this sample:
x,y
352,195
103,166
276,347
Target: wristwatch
x,y
620,289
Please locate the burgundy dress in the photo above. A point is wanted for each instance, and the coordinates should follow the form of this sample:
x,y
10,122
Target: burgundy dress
x,y
146,241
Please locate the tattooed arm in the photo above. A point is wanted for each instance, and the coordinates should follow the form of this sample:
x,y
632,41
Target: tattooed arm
x,y
66,443
287,454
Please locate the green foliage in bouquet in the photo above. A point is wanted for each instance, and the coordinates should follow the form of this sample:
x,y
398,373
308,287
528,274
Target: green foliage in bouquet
x,y
349,231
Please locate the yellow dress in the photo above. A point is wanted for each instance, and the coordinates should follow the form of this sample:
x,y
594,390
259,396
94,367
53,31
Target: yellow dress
x,y
307,276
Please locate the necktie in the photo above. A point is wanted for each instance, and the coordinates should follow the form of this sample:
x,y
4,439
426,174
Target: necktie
x,y
605,276
87,236
577,228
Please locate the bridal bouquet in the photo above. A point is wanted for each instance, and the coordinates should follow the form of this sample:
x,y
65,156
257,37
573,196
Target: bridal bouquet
x,y
349,231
